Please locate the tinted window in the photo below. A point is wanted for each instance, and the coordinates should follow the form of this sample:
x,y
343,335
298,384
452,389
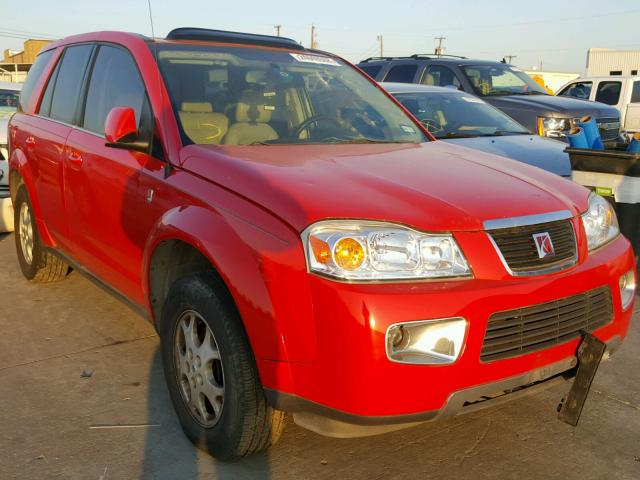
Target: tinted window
x,y
580,90
371,70
635,94
69,83
608,92
440,76
45,104
115,82
402,74
34,74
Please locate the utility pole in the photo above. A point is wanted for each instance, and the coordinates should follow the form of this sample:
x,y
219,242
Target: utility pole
x,y
313,36
440,49
381,40
508,58
277,27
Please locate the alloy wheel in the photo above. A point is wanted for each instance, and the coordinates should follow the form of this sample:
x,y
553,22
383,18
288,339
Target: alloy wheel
x,y
199,369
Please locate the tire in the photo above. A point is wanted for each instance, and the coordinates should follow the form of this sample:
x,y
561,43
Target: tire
x,y
37,263
237,420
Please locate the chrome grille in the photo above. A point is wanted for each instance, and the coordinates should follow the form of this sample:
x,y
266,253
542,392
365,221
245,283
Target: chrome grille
x,y
609,128
526,330
518,248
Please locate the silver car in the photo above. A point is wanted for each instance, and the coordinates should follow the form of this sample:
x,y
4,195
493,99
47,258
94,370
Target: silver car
x,y
9,97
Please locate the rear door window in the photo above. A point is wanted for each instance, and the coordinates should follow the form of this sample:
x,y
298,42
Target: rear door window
x,y
401,74
635,93
580,90
45,104
440,76
68,83
115,82
609,92
371,70
34,75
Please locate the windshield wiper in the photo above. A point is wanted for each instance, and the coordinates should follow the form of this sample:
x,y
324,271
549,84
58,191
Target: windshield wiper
x,y
458,135
361,140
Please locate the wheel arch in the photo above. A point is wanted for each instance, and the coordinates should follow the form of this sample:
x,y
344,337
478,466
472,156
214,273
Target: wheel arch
x,y
191,239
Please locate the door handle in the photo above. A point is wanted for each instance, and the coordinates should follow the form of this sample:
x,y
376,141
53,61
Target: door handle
x,y
30,141
75,159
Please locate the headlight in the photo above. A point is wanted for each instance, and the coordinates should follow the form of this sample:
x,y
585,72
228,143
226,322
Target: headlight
x,y
554,127
600,222
361,250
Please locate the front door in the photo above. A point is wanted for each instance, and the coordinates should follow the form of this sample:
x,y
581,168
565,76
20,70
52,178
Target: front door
x,y
105,200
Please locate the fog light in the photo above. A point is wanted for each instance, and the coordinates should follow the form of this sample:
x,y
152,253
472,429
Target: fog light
x,y
426,342
627,289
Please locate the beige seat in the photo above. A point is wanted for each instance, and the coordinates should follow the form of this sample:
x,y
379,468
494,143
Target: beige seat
x,y
201,124
252,117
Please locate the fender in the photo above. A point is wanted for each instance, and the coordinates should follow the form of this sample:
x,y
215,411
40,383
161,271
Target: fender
x,y
265,274
19,167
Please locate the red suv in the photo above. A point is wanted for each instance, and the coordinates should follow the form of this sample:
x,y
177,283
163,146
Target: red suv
x,y
298,239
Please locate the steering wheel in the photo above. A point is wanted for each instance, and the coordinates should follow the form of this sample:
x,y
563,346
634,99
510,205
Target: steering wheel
x,y
432,125
315,119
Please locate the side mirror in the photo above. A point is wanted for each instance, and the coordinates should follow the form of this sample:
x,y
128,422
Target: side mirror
x,y
121,131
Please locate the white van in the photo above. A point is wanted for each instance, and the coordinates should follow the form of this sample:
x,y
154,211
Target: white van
x,y
622,92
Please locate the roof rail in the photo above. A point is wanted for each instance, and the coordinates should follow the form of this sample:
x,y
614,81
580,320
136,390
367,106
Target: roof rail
x,y
222,36
415,56
373,59
427,55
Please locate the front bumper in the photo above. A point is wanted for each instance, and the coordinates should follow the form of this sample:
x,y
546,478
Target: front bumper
x,y
352,380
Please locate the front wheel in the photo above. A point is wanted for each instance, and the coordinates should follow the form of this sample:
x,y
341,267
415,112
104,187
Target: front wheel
x,y
37,264
211,373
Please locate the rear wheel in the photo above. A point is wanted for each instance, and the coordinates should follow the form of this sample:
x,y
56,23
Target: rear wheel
x,y
211,373
37,264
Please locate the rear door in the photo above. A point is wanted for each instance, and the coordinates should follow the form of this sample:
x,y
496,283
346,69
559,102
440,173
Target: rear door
x,y
108,212
632,117
48,132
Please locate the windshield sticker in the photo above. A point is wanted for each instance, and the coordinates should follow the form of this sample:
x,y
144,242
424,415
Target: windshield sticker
x,y
471,99
315,59
408,129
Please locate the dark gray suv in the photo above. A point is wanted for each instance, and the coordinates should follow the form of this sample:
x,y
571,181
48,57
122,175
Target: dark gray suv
x,y
500,84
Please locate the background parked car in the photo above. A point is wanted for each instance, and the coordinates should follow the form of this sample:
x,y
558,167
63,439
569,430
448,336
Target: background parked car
x,y
9,93
503,86
466,120
620,92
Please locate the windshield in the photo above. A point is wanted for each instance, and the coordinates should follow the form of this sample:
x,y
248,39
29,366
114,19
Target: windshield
x,y
501,79
250,96
457,115
8,102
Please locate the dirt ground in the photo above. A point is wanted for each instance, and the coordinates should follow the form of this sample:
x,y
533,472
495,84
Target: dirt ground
x,y
82,396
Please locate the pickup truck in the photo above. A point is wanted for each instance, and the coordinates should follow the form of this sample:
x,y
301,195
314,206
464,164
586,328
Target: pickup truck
x,y
621,92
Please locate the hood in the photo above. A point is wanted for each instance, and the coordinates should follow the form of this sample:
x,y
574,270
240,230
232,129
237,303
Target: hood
x,y
540,152
435,186
551,105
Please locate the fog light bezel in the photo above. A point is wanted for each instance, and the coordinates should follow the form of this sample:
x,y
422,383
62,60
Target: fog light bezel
x,y
426,358
631,273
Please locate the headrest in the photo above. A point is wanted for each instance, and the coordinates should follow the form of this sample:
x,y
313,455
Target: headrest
x,y
197,107
253,107
255,76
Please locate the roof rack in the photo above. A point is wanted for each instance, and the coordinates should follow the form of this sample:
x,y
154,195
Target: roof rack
x,y
222,36
427,55
415,56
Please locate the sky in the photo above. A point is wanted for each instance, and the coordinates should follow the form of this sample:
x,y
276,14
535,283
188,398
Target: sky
x,y
552,33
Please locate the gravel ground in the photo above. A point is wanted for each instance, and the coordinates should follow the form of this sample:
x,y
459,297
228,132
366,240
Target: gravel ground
x,y
82,397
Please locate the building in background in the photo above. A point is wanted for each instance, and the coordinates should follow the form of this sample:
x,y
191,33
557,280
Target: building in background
x,y
15,65
603,62
552,80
